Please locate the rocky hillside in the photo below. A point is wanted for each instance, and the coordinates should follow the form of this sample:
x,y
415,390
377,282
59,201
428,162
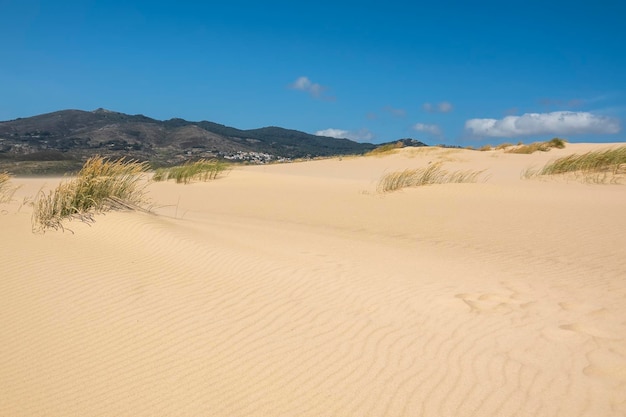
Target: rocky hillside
x,y
70,136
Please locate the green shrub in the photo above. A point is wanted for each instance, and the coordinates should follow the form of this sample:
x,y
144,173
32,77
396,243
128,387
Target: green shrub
x,y
557,143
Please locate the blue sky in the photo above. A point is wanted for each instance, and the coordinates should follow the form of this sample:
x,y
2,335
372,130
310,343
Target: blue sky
x,y
450,72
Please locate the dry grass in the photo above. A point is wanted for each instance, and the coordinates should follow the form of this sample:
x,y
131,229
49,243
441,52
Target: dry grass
x,y
385,149
600,167
433,174
6,189
100,185
202,170
538,146
503,146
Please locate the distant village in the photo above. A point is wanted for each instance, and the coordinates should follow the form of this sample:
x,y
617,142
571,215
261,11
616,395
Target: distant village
x,y
254,157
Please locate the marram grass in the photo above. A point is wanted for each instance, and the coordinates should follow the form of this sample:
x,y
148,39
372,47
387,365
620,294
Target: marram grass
x,y
100,185
537,146
608,166
6,189
385,149
433,174
202,170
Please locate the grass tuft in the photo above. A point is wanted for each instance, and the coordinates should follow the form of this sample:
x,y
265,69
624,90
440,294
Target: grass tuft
x,y
385,149
6,189
503,146
596,166
537,146
202,170
433,174
100,185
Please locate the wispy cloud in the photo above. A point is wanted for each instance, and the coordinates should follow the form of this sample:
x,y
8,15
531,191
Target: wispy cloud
x,y
427,128
361,135
575,102
395,112
305,84
443,107
556,123
572,103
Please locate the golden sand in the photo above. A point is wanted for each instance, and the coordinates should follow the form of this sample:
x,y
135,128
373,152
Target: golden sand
x,y
298,290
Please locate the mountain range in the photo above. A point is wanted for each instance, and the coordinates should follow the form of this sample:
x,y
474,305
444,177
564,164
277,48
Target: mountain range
x,y
68,137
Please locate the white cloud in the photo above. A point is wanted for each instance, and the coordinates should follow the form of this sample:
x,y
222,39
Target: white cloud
x,y
304,84
443,107
432,129
556,123
359,135
333,133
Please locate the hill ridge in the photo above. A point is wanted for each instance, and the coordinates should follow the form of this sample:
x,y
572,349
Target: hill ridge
x,y
74,135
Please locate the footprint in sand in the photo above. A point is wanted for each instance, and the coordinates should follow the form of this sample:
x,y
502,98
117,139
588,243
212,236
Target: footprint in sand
x,y
606,363
494,303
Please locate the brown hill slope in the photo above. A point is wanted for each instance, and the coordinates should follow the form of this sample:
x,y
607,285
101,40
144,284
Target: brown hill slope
x,y
59,141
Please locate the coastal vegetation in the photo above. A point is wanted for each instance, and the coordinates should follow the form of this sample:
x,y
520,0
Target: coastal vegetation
x,y
537,146
522,148
100,185
385,149
607,166
202,170
433,174
6,189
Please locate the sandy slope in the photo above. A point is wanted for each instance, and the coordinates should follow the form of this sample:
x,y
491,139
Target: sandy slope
x,y
297,290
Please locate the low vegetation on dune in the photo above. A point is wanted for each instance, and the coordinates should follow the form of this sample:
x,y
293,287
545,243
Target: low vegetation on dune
x,y
522,148
6,189
504,145
202,170
433,174
608,166
537,146
100,185
385,149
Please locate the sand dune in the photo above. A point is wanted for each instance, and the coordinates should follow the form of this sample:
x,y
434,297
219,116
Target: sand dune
x,y
298,290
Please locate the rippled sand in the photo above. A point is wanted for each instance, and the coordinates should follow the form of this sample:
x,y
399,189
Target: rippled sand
x,y
298,290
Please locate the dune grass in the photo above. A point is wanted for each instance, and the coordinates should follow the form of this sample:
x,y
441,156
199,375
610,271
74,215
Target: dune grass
x,y
503,146
6,189
202,170
608,166
433,174
100,185
537,146
385,149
